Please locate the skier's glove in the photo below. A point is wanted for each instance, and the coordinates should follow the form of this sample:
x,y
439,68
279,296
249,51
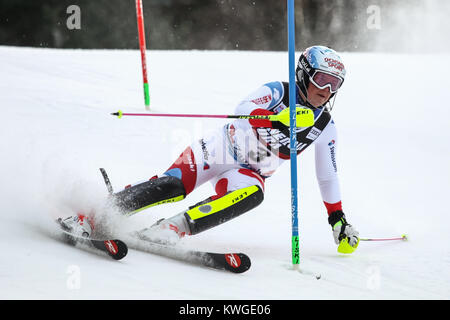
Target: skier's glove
x,y
261,123
265,123
281,121
344,234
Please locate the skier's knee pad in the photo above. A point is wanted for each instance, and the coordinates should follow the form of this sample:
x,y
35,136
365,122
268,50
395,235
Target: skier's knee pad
x,y
148,194
210,213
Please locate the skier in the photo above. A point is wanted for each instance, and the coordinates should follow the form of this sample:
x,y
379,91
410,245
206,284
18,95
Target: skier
x,y
238,158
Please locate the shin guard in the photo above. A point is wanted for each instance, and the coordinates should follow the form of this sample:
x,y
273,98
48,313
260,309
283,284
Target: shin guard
x,y
148,194
210,213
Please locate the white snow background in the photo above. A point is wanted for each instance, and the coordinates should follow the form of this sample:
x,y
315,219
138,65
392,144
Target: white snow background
x,y
56,130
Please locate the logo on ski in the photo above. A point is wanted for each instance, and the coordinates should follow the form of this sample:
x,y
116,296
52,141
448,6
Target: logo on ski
x,y
111,246
233,260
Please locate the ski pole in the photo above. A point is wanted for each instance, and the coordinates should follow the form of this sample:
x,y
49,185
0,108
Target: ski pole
x,y
403,237
305,116
107,181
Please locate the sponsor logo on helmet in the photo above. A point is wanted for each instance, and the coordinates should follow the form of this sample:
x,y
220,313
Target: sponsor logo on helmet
x,y
305,65
333,63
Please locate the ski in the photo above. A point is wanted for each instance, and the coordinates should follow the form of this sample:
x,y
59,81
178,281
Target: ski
x,y
116,249
232,262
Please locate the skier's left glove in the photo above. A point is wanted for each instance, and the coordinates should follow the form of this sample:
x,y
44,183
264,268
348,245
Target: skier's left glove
x,y
344,234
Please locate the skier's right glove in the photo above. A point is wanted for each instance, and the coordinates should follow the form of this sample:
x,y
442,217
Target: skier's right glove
x,y
344,234
261,123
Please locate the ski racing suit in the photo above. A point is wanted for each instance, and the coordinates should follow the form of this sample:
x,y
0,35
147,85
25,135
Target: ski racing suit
x,y
237,159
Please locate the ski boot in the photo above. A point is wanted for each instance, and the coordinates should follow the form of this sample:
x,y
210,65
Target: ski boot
x,y
166,231
79,225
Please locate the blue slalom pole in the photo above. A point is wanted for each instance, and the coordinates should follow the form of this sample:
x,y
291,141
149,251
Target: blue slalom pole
x,y
293,134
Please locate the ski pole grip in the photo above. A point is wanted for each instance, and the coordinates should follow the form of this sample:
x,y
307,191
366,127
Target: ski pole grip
x,y
304,117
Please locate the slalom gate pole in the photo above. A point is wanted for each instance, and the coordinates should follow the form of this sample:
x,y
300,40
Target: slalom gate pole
x,y
142,46
293,134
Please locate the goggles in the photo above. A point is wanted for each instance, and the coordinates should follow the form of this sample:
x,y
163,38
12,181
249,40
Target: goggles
x,y
322,79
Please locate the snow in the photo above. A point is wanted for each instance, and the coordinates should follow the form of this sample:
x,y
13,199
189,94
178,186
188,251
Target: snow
x,y
392,118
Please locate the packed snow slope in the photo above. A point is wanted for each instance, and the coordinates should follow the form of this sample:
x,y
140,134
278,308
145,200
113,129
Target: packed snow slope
x,y
392,116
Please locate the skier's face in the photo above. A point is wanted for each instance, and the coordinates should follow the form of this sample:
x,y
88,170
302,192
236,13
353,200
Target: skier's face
x,y
318,97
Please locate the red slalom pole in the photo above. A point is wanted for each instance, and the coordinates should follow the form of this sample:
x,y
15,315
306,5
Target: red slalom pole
x,y
142,46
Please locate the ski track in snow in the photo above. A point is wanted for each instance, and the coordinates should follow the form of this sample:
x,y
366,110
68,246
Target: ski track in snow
x,y
392,157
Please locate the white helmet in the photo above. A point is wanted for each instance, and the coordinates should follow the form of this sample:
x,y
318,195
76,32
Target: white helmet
x,y
323,67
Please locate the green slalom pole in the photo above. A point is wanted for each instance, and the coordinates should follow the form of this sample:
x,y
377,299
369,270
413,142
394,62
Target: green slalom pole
x,y
147,95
